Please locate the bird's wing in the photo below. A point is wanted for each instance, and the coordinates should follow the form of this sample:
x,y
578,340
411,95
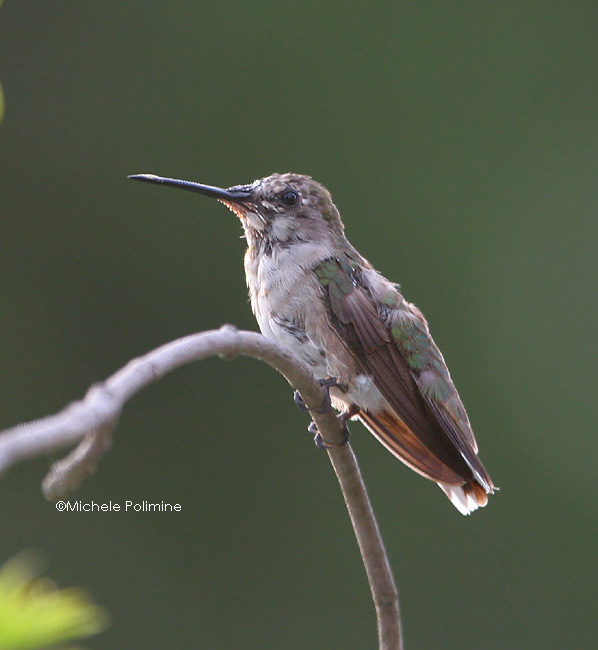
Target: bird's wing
x,y
396,350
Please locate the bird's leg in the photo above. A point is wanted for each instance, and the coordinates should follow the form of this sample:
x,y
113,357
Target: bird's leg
x,y
326,384
343,418
352,411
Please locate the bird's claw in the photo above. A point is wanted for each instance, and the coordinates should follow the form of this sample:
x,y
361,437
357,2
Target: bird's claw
x,y
299,403
319,441
326,385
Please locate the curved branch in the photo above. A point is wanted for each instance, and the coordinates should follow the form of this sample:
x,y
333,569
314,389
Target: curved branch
x,y
90,421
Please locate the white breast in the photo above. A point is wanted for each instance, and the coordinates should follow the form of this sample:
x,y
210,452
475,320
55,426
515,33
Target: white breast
x,y
285,298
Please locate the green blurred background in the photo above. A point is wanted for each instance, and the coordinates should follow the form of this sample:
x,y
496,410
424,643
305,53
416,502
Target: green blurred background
x,y
459,141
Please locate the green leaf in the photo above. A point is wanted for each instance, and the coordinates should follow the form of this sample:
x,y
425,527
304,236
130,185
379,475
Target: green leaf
x,y
35,614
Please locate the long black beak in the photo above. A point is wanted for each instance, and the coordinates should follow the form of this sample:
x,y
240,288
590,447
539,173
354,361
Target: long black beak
x,y
233,194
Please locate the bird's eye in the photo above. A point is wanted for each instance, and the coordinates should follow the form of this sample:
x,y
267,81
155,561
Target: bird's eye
x,y
289,198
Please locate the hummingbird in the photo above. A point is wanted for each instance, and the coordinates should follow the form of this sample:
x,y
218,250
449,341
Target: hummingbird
x,y
313,292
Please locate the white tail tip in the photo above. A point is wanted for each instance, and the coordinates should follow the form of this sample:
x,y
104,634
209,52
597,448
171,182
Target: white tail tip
x,y
464,498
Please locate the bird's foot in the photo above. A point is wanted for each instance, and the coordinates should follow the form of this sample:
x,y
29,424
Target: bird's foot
x,y
343,418
299,403
326,384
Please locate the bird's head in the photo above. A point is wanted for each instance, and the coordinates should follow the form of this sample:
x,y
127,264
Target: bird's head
x,y
278,208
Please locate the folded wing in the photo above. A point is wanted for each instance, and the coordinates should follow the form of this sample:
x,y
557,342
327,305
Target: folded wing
x,y
426,425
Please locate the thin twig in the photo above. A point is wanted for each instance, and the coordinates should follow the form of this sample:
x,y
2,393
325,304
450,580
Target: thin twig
x,y
89,424
371,546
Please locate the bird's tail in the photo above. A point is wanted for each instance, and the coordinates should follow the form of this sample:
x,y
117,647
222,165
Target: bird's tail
x,y
466,498
465,493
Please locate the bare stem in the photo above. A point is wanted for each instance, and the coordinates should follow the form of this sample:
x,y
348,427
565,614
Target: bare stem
x,y
89,423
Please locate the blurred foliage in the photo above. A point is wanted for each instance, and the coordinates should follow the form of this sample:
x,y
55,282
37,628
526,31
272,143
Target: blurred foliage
x,y
35,614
